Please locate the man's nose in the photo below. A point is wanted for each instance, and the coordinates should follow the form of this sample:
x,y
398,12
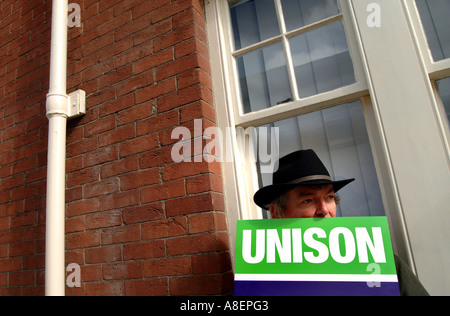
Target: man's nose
x,y
322,209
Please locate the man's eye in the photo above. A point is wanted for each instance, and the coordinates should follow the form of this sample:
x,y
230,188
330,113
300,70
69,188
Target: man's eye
x,y
306,201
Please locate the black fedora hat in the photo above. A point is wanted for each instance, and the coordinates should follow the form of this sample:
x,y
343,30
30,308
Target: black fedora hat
x,y
302,167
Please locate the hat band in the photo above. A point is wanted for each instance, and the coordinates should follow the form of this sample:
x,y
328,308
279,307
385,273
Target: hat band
x,y
310,178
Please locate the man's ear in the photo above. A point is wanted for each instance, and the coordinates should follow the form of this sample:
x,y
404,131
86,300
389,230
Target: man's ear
x,y
273,213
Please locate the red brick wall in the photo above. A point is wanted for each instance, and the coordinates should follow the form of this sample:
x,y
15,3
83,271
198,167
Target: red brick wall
x,y
136,222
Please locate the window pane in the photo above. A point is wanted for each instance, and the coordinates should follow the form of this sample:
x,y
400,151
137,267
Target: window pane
x,y
444,91
339,137
299,13
253,21
263,78
322,60
436,23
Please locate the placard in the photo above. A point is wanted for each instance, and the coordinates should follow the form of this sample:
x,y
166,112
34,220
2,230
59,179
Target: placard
x,y
315,257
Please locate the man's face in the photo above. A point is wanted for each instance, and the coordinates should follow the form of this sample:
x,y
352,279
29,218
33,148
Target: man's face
x,y
310,201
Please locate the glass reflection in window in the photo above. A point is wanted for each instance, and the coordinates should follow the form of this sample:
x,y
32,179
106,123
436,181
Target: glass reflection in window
x,y
253,21
263,77
322,60
299,13
436,23
444,91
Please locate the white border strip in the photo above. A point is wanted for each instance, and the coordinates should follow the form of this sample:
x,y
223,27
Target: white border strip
x,y
318,277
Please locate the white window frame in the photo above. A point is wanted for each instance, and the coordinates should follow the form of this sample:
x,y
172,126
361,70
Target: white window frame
x,y
240,177
393,70
248,180
298,106
436,70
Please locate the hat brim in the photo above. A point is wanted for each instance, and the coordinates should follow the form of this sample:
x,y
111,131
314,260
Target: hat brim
x,y
266,195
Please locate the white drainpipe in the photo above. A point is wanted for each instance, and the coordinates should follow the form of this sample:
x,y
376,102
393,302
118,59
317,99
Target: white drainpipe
x,y
60,107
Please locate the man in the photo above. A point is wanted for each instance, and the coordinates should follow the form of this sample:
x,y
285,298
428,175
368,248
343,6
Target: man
x,y
303,188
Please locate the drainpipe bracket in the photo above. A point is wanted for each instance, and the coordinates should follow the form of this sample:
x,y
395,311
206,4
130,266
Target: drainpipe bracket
x,y
77,104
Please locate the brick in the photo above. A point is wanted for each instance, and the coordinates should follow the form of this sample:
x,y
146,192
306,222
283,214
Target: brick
x,y
116,105
144,213
123,234
103,254
193,77
116,135
82,240
201,285
200,223
120,200
157,157
123,270
12,264
184,169
12,182
99,126
155,91
136,222
137,53
167,266
83,176
83,146
101,155
140,179
97,44
22,278
37,174
120,166
158,123
144,250
176,67
163,191
115,76
183,97
22,249
154,60
202,243
135,83
153,31
211,263
34,262
91,273
136,25
147,287
135,113
114,22
101,188
35,203
164,228
104,219
98,70
204,183
105,288
24,219
74,224
138,145
122,46
170,9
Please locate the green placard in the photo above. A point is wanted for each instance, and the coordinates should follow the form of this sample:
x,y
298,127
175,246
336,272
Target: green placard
x,y
337,246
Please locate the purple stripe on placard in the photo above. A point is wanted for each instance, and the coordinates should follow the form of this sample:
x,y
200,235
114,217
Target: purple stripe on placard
x,y
313,288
